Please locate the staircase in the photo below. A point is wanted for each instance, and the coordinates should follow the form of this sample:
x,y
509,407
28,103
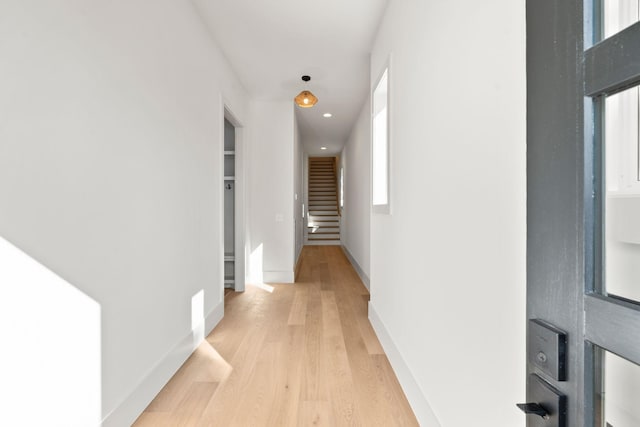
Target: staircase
x,y
324,216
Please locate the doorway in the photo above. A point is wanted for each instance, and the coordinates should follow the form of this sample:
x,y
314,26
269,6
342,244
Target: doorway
x,y
583,252
323,225
233,215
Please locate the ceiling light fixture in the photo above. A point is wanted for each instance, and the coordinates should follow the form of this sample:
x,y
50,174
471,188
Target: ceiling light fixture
x,y
323,148
306,99
327,114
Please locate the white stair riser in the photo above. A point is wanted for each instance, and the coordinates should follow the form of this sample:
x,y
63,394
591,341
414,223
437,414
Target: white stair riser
x,y
325,237
323,230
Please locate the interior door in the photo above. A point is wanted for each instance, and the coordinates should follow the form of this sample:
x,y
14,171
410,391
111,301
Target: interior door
x,y
583,213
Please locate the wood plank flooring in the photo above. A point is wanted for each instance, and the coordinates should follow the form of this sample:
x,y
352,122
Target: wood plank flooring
x,y
289,355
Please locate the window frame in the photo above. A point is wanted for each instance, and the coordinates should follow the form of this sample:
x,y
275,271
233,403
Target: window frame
x,y
381,208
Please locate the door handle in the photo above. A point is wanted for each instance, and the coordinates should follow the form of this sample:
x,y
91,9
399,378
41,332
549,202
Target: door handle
x,y
534,409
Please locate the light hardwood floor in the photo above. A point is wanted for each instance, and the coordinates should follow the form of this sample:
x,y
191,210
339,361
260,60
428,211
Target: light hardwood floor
x,y
300,355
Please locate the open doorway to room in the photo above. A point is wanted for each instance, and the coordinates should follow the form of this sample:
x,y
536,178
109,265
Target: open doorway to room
x,y
233,216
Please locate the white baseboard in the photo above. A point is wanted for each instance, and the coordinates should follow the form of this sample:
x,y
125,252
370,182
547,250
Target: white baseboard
x,y
133,405
322,243
415,396
213,318
356,266
278,276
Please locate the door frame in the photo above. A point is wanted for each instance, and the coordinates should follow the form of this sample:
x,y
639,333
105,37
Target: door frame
x,y
239,200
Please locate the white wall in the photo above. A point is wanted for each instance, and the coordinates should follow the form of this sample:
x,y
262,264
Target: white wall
x,y
271,172
356,214
298,189
448,265
110,175
44,362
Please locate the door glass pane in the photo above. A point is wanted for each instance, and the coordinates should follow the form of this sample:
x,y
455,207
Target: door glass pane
x,y
620,392
618,15
622,200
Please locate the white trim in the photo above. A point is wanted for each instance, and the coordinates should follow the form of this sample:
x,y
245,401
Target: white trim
x,y
305,198
240,211
363,276
213,318
385,208
322,242
298,254
278,276
415,396
239,198
127,411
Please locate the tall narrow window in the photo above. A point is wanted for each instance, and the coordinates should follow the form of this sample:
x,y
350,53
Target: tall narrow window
x,y
380,145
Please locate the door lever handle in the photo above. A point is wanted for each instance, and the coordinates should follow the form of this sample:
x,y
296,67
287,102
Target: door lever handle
x,y
533,408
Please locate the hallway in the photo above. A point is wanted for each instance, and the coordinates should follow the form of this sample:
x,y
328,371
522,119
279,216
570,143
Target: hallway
x,y
289,355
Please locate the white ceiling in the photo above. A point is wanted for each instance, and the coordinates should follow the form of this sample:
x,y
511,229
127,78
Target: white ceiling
x,y
271,44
